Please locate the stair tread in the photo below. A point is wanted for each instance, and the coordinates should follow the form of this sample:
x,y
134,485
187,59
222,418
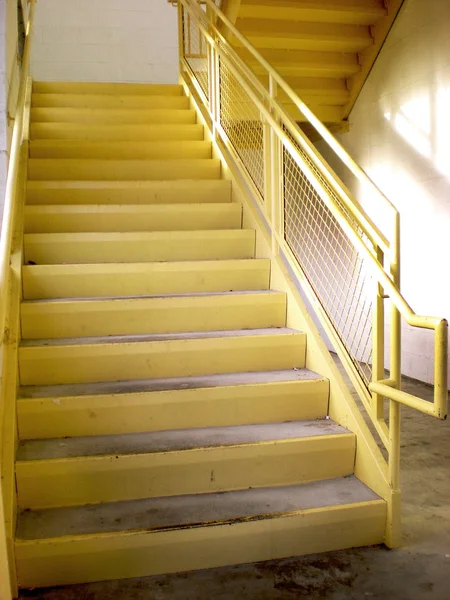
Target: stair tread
x,y
135,235
173,383
99,209
174,440
157,337
191,510
80,184
154,296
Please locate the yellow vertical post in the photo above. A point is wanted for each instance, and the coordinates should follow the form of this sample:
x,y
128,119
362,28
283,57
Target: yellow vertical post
x,y
180,35
394,532
275,177
378,343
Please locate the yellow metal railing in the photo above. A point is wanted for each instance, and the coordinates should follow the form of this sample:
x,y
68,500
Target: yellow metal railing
x,y
10,272
348,264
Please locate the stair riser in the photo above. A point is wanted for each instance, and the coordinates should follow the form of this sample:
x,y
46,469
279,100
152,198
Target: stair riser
x,y
92,480
175,409
102,219
134,89
137,554
89,281
124,132
120,150
107,101
114,117
118,248
45,169
167,315
141,192
90,363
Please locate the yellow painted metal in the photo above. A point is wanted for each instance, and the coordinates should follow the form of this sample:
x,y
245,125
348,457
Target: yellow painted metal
x,y
133,89
303,399
128,192
59,561
350,227
42,169
71,319
105,101
112,116
119,149
134,279
184,357
110,218
10,292
365,238
63,248
118,477
122,132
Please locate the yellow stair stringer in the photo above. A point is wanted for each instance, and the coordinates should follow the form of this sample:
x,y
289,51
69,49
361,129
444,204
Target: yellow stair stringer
x,y
370,465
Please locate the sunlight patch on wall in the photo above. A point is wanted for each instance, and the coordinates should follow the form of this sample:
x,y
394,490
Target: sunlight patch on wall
x,y
424,123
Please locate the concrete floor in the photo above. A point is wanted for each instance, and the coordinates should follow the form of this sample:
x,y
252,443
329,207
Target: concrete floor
x,y
419,570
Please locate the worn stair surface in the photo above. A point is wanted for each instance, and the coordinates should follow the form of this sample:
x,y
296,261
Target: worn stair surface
x,y
167,419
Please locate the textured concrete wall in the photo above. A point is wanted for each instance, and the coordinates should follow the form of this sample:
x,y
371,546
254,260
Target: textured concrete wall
x,y
9,83
106,40
400,132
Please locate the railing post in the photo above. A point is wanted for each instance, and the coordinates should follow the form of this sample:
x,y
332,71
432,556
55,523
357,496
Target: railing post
x,y
393,534
180,35
378,343
273,176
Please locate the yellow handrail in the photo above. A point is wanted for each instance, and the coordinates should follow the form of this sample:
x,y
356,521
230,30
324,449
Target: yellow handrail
x,y
13,168
354,220
8,586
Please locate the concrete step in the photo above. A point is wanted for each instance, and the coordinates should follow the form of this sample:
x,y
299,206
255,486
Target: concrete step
x,y
141,279
176,403
161,535
96,469
129,192
119,358
148,315
127,218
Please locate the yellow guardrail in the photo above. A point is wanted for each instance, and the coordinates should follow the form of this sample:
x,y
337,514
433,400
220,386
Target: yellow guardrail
x,y
10,240
348,264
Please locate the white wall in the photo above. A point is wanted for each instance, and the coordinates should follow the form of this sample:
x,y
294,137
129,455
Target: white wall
x,y
9,83
106,40
400,134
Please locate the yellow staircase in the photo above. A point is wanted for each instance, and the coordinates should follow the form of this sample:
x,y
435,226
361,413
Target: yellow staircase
x,y
324,49
166,418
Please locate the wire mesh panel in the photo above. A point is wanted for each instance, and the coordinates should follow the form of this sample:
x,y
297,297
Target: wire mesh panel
x,y
332,265
195,51
243,124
